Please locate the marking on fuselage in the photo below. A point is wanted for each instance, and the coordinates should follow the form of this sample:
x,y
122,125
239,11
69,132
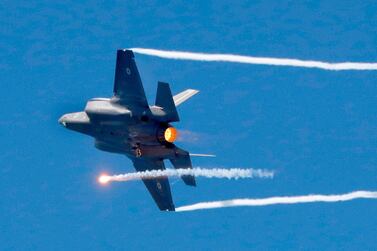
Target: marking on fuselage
x,y
138,152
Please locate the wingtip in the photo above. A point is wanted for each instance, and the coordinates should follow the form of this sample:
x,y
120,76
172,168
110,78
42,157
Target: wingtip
x,y
194,91
169,209
126,51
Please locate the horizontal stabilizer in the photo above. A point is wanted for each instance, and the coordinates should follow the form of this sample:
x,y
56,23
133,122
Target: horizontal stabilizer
x,y
182,161
183,96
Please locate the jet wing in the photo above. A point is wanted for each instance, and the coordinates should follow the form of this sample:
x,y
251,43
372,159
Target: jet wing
x,y
159,188
127,83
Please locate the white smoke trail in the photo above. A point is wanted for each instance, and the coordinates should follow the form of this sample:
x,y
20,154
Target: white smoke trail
x,y
233,173
257,60
280,200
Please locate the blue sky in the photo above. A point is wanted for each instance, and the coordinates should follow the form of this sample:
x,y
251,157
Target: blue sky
x,y
316,129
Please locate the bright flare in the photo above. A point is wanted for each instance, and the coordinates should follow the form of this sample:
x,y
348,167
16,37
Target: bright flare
x,y
104,179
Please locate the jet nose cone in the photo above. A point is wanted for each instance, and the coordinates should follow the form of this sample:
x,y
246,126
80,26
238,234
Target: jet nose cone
x,y
62,120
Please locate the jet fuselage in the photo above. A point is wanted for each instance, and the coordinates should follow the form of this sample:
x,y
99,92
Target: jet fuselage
x,y
117,130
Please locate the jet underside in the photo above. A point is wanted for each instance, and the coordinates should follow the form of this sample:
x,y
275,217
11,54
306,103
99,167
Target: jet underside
x,y
126,124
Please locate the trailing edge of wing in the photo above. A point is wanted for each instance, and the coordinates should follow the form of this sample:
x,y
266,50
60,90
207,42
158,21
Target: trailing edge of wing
x,y
183,96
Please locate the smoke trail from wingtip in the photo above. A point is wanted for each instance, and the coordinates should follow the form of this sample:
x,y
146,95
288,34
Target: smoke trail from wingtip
x,y
280,200
182,55
233,173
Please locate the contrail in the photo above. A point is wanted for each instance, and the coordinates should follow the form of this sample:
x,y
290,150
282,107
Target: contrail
x,y
182,55
233,173
280,200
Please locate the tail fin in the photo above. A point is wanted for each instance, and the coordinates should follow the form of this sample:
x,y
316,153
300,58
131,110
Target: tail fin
x,y
164,99
183,161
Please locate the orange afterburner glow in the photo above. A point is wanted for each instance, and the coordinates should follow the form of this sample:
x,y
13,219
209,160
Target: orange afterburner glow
x,y
170,134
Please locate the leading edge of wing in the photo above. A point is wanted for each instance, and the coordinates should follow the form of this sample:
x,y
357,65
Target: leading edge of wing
x,y
159,188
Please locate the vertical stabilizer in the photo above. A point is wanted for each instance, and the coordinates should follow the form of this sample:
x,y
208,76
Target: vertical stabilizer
x,y
164,99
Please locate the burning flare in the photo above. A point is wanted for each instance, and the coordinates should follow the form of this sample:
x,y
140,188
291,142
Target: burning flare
x,y
104,178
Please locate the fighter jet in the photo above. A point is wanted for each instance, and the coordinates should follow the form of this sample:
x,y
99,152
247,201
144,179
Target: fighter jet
x,y
126,124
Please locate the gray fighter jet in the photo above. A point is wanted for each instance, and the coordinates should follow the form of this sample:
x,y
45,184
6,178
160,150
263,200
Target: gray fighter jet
x,y
126,124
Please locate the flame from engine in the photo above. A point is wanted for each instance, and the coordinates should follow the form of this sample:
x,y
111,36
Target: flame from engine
x,y
170,134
